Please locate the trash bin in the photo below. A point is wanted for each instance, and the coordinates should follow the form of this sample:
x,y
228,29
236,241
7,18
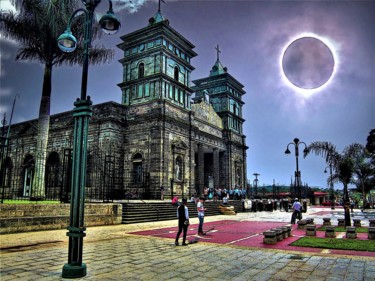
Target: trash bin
x,y
304,204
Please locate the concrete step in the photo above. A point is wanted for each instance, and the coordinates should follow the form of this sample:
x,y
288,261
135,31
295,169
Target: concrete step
x,y
155,211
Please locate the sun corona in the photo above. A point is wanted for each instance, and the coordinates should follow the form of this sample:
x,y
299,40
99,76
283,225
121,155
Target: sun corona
x,y
308,63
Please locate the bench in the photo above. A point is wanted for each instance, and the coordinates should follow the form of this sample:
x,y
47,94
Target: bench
x,y
269,237
351,232
357,222
301,224
330,231
326,221
284,229
279,234
310,230
341,222
371,233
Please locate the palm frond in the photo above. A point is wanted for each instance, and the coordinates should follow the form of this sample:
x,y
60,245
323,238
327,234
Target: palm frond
x,y
98,55
14,28
322,148
353,149
29,54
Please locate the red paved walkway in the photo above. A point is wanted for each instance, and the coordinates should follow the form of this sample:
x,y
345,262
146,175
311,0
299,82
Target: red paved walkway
x,y
249,234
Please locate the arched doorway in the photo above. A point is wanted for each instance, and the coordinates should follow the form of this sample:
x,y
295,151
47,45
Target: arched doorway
x,y
137,169
52,176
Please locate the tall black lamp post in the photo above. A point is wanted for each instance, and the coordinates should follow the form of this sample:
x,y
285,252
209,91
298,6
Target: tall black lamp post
x,y
4,143
331,189
75,268
297,174
256,184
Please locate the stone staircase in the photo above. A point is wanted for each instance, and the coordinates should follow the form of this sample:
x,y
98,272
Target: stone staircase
x,y
143,211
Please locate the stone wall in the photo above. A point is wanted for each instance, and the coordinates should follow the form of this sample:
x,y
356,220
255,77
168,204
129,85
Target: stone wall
x,y
36,217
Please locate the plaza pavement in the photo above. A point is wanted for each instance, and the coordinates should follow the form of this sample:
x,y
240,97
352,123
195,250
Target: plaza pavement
x,y
112,253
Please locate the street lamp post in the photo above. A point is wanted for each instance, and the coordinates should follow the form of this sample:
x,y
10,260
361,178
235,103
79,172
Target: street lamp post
x,y
331,189
75,268
297,173
4,143
256,184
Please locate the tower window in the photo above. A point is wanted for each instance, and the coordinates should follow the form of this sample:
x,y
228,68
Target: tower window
x,y
235,109
137,168
141,70
176,73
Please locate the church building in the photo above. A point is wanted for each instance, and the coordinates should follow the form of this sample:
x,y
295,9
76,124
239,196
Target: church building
x,y
165,135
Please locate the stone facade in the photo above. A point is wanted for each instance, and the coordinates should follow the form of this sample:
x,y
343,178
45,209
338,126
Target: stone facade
x,y
158,136
37,217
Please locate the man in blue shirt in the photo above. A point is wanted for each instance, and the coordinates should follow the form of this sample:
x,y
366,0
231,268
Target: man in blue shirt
x,y
296,211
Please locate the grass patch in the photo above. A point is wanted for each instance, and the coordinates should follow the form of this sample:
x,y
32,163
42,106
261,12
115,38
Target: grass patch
x,y
8,201
343,229
334,243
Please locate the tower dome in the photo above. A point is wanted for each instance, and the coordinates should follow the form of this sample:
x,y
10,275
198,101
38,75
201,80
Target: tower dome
x,y
218,68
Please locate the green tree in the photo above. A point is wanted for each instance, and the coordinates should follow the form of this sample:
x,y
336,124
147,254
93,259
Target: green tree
x,y
370,146
36,27
342,164
364,171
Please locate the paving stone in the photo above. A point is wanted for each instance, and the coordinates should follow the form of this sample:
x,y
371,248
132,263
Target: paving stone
x,y
131,257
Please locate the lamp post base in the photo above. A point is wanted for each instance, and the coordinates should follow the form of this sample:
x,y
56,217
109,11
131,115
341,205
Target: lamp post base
x,y
74,271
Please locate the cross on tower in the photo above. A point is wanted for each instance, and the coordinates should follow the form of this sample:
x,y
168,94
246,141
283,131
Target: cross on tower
x,y
217,51
159,4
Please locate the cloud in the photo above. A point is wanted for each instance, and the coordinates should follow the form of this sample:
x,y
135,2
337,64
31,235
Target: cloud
x,y
6,5
131,6
5,94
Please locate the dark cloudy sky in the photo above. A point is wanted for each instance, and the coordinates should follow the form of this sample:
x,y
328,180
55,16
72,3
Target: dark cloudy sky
x,y
252,36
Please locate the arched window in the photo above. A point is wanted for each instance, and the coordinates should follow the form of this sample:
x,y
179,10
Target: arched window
x,y
8,167
28,174
176,73
137,168
179,168
235,109
141,70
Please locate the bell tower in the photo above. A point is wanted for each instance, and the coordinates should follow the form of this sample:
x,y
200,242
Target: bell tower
x,y
224,93
156,64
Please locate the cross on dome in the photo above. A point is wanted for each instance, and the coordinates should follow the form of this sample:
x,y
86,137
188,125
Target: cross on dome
x,y
159,4
218,51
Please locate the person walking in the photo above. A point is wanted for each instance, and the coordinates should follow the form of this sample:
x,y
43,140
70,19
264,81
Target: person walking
x,y
183,222
162,192
200,210
296,211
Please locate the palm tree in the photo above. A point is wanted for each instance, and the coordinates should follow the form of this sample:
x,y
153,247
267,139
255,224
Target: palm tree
x,y
364,172
36,26
342,164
